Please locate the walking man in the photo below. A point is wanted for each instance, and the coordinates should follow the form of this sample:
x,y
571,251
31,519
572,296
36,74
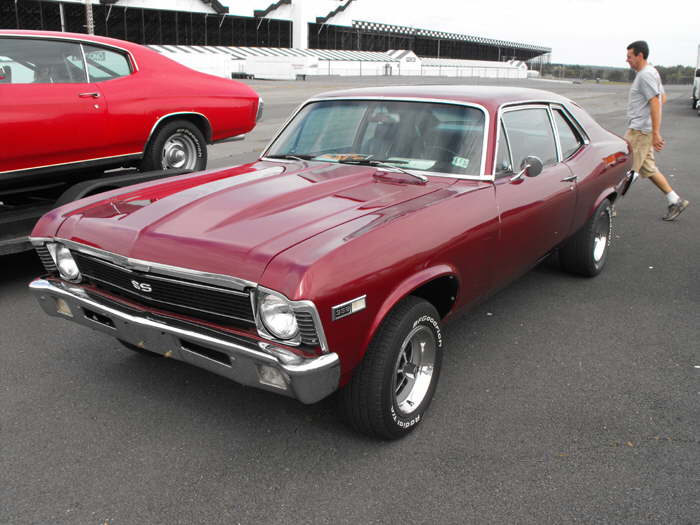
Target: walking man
x,y
646,97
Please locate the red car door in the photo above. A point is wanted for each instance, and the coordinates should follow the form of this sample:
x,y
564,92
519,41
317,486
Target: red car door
x,y
50,113
536,213
128,95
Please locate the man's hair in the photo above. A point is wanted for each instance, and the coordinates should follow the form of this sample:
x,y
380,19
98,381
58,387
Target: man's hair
x,y
640,46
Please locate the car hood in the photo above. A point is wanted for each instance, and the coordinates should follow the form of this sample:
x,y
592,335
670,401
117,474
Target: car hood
x,y
234,221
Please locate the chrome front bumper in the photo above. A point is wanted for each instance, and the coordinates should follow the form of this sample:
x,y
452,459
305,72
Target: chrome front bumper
x,y
247,362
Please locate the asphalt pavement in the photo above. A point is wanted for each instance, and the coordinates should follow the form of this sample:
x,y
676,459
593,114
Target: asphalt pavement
x,y
561,400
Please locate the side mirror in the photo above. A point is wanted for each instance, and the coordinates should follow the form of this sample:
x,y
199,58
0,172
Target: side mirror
x,y
532,166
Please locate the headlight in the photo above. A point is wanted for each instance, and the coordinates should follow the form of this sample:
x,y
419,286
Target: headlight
x,y
66,264
278,317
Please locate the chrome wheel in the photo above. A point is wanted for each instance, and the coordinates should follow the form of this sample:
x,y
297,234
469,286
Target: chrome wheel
x,y
179,152
601,238
413,371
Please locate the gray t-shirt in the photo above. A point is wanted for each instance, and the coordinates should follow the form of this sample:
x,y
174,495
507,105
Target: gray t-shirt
x,y
647,84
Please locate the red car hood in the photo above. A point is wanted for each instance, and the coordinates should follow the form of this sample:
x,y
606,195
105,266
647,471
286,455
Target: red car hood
x,y
235,221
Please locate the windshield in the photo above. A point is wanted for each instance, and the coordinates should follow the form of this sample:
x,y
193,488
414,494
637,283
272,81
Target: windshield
x,y
422,136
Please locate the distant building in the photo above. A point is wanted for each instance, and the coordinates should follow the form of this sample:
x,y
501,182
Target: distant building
x,y
299,24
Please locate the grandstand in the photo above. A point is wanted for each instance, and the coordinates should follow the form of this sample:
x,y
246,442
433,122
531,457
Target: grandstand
x,y
328,28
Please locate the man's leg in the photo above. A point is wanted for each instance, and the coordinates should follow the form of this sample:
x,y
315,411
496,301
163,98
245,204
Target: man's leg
x,y
675,204
661,182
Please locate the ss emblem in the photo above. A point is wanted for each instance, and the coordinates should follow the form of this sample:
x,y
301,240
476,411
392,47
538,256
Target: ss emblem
x,y
142,287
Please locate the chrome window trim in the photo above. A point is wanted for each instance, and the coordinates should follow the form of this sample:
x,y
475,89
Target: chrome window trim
x,y
85,66
519,105
87,71
225,281
567,116
78,41
510,152
484,143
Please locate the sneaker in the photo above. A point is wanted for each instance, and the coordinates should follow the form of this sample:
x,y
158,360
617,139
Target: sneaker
x,y
674,210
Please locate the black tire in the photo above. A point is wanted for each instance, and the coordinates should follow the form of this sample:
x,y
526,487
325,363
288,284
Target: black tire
x,y
138,349
586,252
382,400
178,144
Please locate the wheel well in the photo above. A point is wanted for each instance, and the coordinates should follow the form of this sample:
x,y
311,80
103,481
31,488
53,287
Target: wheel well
x,y
440,292
198,120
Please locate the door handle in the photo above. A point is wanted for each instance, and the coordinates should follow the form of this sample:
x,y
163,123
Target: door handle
x,y
571,178
89,95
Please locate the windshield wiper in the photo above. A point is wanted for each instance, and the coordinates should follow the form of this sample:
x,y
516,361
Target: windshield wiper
x,y
291,157
385,164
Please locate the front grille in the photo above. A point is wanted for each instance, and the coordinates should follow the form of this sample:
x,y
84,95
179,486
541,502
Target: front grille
x,y
307,329
46,259
202,301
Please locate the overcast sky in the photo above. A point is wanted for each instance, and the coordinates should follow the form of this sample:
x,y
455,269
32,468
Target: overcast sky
x,y
594,32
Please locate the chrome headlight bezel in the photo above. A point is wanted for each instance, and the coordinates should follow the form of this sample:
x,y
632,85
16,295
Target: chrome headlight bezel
x,y
272,312
65,263
302,309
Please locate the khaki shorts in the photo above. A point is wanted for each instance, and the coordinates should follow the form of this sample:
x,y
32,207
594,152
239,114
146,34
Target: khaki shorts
x,y
642,152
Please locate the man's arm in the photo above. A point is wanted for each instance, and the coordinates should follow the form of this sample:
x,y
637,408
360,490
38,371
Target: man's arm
x,y
655,110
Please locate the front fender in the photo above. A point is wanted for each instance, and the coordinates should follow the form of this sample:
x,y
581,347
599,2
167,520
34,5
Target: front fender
x,y
402,290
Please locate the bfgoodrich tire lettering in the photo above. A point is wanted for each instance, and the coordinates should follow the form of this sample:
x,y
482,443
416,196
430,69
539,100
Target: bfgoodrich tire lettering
x,y
392,388
586,252
179,144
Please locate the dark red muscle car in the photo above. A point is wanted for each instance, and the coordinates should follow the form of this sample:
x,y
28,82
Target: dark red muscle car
x,y
71,101
332,261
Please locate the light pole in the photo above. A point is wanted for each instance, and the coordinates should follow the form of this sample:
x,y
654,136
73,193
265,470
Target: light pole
x,y
89,20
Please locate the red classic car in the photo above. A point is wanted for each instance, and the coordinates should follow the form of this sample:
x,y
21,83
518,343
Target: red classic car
x,y
331,262
70,101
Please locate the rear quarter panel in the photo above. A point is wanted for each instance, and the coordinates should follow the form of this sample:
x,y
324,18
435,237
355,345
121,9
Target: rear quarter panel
x,y
162,87
600,166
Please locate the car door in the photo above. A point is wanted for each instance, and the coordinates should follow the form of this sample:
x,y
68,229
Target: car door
x,y
127,98
536,212
49,112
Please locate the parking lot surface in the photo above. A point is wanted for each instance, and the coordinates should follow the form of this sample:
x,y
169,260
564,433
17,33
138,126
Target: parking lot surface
x,y
561,400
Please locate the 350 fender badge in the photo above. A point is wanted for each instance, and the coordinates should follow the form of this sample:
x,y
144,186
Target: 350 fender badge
x,y
348,307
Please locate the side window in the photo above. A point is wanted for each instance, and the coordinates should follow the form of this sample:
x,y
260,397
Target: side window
x,y
568,137
503,162
36,61
105,64
530,133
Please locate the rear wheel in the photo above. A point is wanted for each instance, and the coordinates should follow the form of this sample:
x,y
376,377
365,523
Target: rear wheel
x,y
393,386
587,251
176,145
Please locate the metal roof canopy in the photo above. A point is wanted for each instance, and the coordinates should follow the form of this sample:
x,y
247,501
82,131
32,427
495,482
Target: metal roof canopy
x,y
414,31
241,53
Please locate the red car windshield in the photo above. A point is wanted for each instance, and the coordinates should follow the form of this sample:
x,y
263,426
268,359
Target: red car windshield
x,y
424,136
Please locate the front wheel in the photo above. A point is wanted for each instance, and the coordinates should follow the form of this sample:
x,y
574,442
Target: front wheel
x,y
176,145
392,388
586,252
